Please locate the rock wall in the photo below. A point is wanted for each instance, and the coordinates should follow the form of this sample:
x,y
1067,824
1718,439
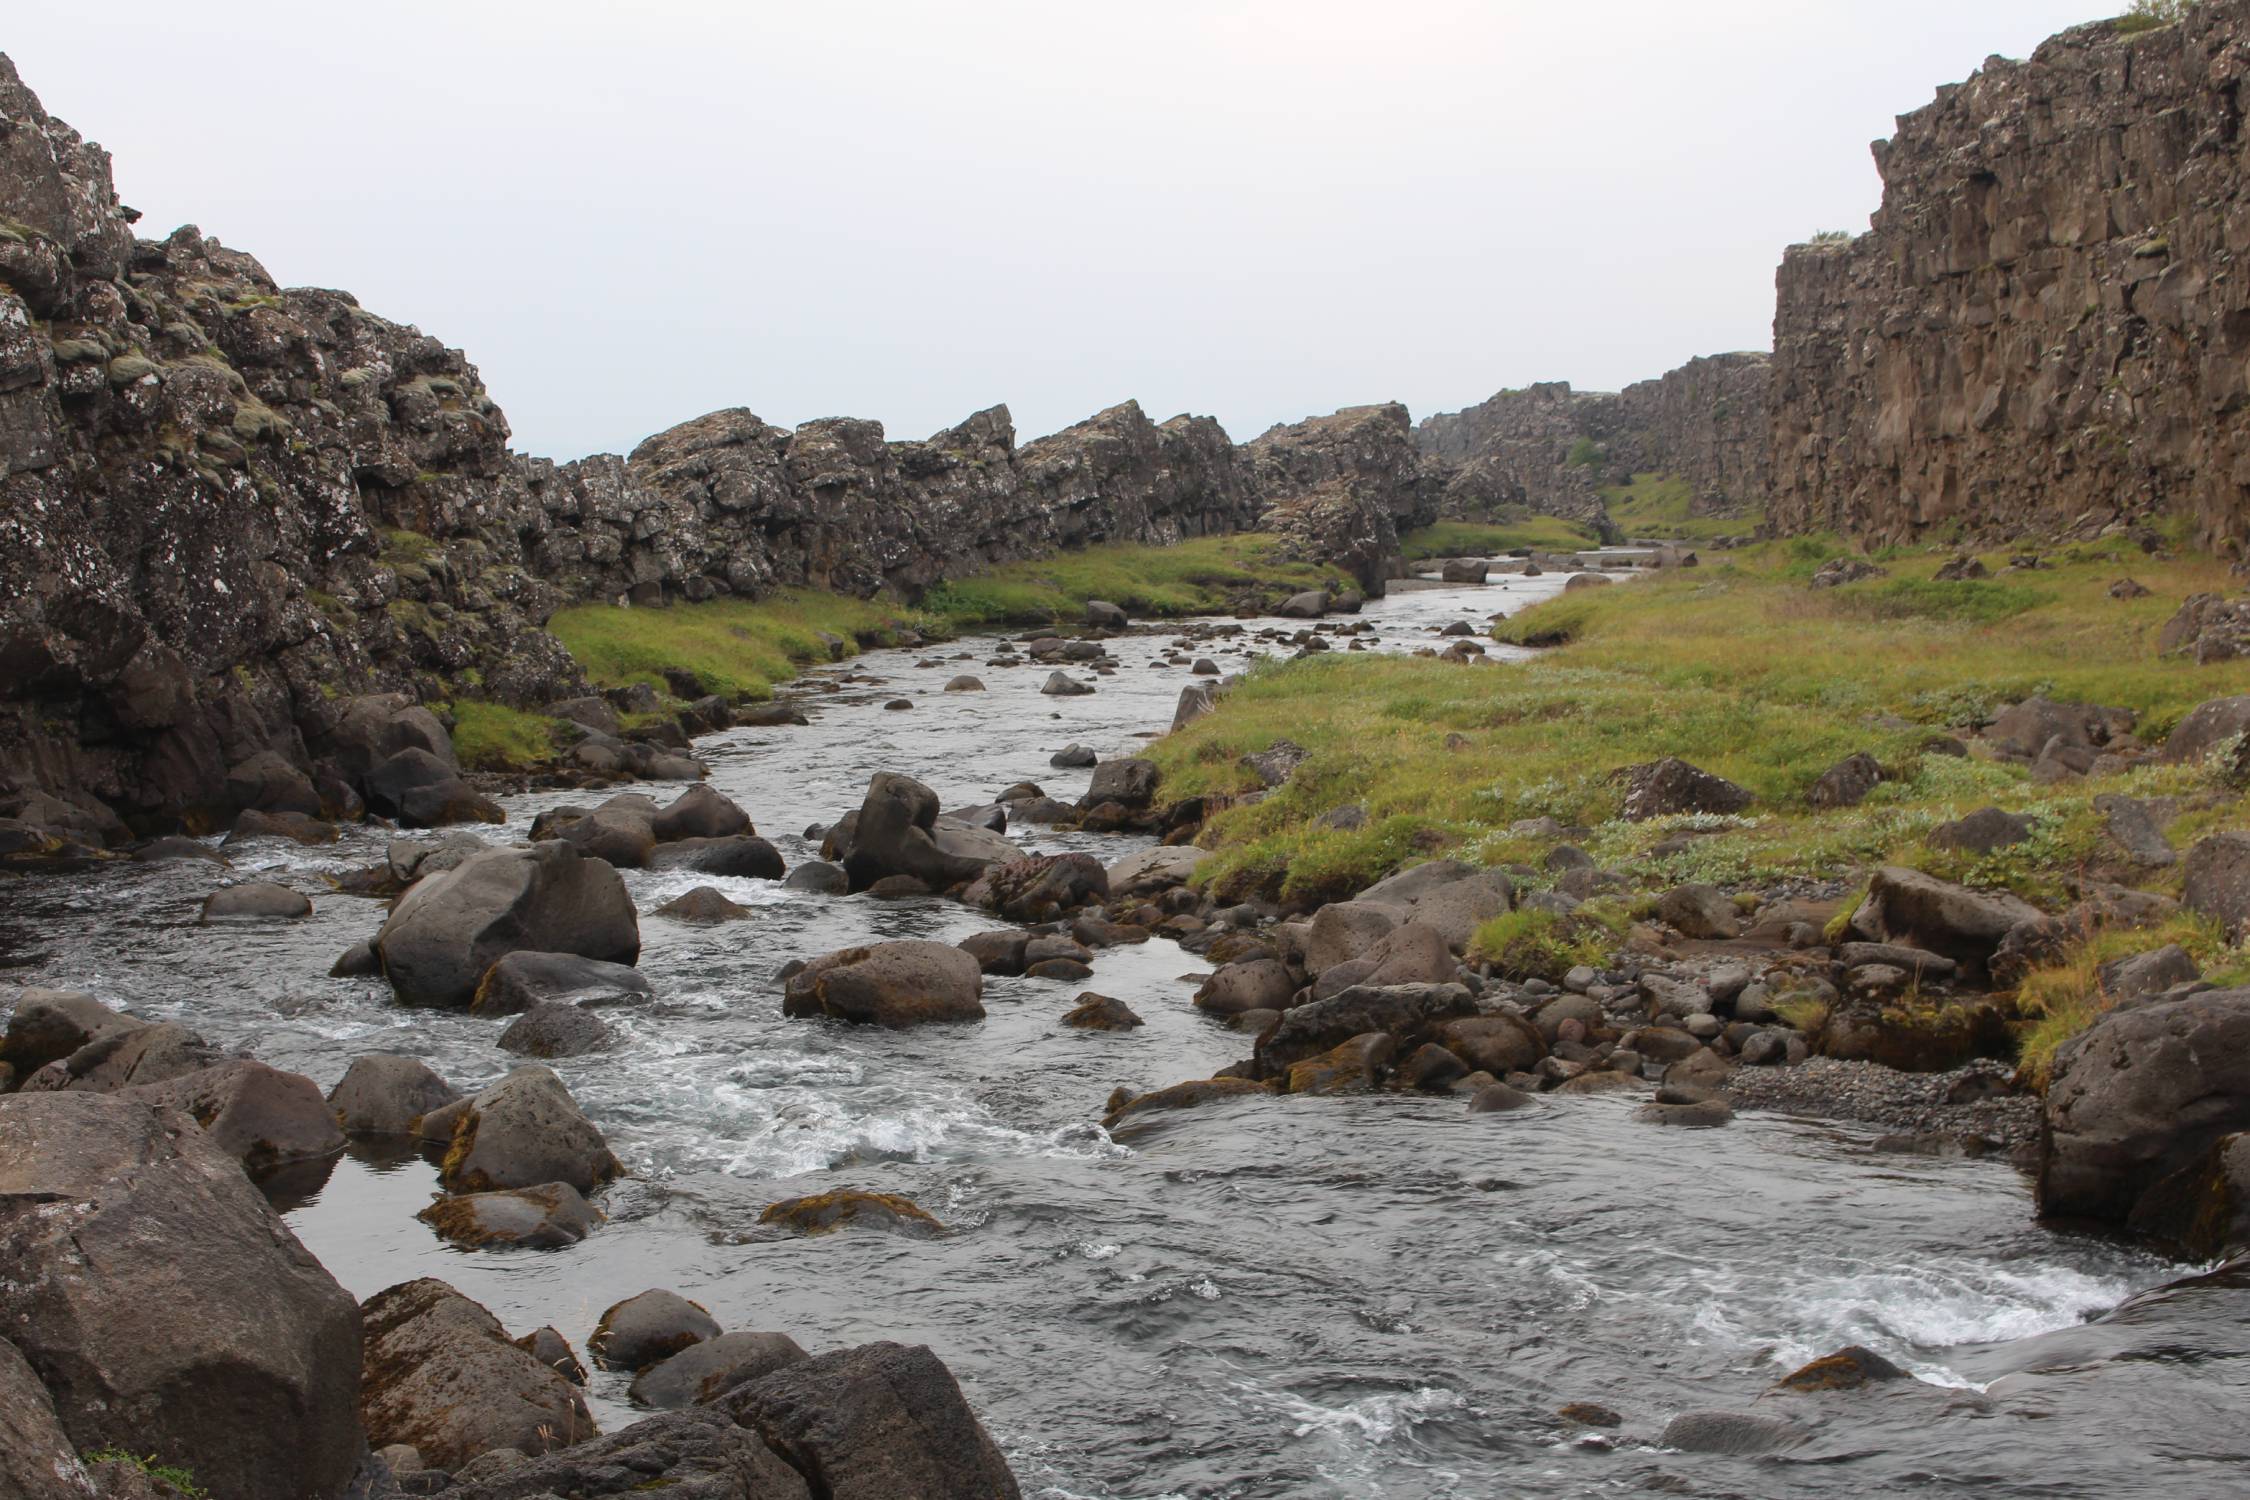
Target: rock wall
x,y
226,506
2044,329
1553,449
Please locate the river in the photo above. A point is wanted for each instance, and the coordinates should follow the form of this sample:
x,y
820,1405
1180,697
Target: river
x,y
1379,1295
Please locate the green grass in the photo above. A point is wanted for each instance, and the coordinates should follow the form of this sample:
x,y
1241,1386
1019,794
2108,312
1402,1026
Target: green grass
x,y
495,737
1496,537
1744,670
1662,506
182,1480
2066,997
738,647
1204,575
1533,944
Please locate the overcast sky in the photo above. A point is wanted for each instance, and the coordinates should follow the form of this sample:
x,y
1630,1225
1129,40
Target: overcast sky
x,y
630,214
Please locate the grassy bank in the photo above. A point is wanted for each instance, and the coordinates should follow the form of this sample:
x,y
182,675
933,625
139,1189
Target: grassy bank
x,y
1496,537
741,649
1662,506
1204,575
1745,670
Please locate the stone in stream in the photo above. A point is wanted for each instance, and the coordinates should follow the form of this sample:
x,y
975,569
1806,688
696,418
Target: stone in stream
x,y
443,1376
876,1422
1101,1013
1261,984
818,876
293,826
705,1371
545,1217
1072,756
165,1305
1499,1098
523,1131
888,984
262,1116
255,901
841,1208
1042,887
384,1094
553,1029
1063,685
1000,951
49,1025
1407,1012
739,856
1124,1106
700,813
424,790
640,1331
705,906
519,981
449,928
897,831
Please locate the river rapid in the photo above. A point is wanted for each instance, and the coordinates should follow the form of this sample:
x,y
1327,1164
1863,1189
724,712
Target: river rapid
x,y
1379,1295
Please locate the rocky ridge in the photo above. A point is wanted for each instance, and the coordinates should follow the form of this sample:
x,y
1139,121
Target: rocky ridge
x,y
1553,449
2041,331
226,506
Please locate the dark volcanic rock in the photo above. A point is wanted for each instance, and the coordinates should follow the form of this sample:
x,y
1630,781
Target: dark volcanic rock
x,y
166,1307
653,1326
889,984
443,1376
697,1454
450,927
875,1422
523,1131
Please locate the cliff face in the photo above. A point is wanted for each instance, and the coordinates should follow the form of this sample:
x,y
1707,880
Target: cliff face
x,y
226,506
2044,329
1553,449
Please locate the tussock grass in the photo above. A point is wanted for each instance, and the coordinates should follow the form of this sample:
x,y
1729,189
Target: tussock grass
x,y
1203,575
1503,534
495,737
1662,506
740,648
2066,997
1742,669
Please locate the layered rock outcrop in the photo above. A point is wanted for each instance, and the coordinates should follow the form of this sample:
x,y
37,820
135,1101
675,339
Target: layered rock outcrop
x,y
2043,330
227,506
1552,449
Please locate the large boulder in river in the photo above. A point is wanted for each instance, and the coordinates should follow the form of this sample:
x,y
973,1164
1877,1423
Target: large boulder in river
x,y
875,1423
522,1131
165,1306
707,1370
888,984
639,1331
443,1377
700,813
897,831
2142,1094
262,1116
450,927
49,1025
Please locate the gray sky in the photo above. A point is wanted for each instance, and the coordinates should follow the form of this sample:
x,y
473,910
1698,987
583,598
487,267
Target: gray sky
x,y
629,215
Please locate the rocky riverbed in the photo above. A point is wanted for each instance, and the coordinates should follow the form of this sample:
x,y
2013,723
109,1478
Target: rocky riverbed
x,y
1365,1293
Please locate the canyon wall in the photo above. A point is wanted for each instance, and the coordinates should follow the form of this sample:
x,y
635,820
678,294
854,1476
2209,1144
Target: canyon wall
x,y
228,506
2044,329
1553,449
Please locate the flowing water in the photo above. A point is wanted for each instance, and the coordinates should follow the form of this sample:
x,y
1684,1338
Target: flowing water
x,y
1296,1296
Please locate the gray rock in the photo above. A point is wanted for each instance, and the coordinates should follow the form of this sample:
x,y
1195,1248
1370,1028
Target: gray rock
x,y
523,1131
1410,1012
449,928
166,1306
1982,832
640,1331
255,901
2216,880
888,984
695,1454
708,1369
545,1217
443,1377
1700,911
875,1423
552,1029
522,980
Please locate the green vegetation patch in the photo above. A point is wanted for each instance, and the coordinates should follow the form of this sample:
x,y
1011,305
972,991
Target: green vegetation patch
x,y
1663,506
1743,669
1204,575
1498,536
740,648
495,737
180,1479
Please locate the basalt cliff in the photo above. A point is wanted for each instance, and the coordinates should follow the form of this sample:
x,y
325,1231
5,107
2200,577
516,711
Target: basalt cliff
x,y
2045,328
227,506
